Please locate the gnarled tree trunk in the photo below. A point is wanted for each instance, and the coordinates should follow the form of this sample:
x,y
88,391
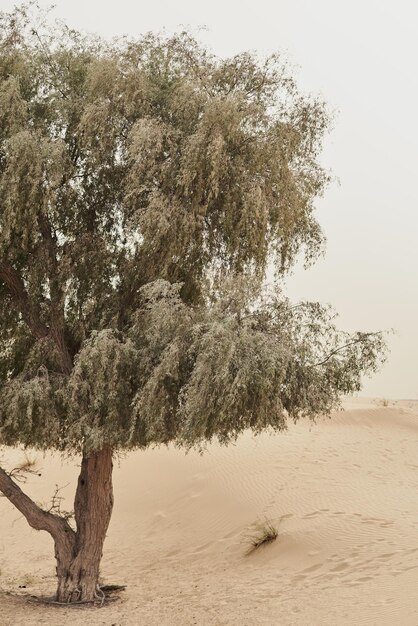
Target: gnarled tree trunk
x,y
78,553
78,571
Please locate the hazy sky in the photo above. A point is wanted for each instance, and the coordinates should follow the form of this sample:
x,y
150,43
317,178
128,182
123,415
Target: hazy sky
x,y
361,56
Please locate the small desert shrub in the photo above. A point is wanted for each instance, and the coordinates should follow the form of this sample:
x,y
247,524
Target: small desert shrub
x,y
264,533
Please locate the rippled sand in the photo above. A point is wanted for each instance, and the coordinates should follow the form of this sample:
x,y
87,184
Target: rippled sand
x,y
343,492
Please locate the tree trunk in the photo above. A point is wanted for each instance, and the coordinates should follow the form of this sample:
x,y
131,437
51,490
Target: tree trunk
x,y
78,553
78,568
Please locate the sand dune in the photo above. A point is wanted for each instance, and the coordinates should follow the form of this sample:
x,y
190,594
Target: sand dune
x,y
343,493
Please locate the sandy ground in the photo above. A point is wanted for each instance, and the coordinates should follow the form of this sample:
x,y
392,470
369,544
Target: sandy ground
x,y
343,492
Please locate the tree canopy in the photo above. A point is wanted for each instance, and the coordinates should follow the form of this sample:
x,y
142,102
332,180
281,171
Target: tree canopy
x,y
146,186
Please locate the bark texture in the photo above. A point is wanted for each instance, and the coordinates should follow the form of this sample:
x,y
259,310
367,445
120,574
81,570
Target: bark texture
x,y
78,576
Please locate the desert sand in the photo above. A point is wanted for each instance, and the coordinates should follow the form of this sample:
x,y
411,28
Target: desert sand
x,y
343,493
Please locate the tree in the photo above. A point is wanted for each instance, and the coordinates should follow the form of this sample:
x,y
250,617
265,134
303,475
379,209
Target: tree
x,y
145,188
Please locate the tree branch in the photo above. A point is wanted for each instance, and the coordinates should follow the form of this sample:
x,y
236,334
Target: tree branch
x,y
21,471
57,321
346,345
21,300
36,517
29,310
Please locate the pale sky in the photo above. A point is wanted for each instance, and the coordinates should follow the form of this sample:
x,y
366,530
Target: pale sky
x,y
360,56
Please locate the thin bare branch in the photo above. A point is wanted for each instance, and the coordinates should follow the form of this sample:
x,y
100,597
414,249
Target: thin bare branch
x,y
344,347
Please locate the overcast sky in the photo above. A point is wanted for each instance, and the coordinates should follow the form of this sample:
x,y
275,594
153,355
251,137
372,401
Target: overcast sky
x,y
361,56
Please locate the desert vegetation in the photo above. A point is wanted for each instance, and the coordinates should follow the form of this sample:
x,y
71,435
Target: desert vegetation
x,y
145,188
262,534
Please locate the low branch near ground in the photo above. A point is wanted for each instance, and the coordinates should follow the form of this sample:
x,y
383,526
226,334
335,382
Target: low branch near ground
x,y
36,517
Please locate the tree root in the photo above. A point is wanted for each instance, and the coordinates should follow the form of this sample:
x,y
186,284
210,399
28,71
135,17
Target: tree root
x,y
103,595
100,597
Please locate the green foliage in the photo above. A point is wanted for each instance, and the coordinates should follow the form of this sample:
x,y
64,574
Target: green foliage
x,y
145,186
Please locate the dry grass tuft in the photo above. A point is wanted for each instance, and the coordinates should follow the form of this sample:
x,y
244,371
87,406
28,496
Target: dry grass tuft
x,y
264,533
